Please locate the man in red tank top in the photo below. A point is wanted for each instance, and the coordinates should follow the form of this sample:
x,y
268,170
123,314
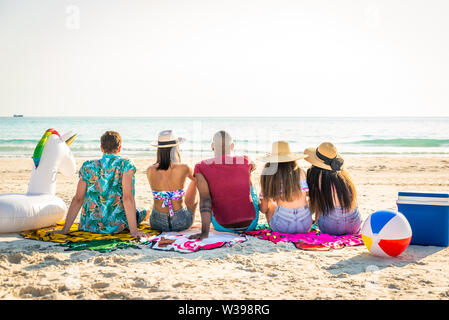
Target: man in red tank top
x,y
224,184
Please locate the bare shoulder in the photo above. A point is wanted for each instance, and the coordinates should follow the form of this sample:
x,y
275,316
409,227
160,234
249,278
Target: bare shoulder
x,y
181,167
152,168
186,167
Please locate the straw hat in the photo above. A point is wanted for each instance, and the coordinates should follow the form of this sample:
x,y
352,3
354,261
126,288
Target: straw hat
x,y
325,157
280,152
167,139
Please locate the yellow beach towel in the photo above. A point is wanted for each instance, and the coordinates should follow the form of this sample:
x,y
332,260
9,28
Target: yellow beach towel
x,y
76,236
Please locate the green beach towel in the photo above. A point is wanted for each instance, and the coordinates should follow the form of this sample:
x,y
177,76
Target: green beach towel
x,y
99,245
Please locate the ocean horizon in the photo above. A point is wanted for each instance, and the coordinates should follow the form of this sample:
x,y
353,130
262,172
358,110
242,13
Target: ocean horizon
x,y
361,136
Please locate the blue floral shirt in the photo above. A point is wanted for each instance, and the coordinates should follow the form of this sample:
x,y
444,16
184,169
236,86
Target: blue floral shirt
x,y
103,210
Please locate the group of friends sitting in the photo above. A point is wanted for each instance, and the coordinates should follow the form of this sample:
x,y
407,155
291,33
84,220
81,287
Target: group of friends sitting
x,y
291,199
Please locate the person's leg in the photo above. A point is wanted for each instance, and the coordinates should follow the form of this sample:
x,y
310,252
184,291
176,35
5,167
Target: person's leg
x,y
141,215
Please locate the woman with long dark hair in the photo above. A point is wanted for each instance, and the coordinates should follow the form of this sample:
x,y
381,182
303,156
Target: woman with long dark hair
x,y
174,208
283,197
332,194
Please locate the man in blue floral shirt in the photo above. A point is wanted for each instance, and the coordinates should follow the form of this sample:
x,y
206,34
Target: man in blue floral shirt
x,y
106,193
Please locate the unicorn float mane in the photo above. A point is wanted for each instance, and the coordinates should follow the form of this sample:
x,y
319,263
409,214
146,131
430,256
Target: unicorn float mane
x,y
41,144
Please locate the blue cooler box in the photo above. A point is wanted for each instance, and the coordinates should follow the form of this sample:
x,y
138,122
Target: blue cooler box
x,y
428,215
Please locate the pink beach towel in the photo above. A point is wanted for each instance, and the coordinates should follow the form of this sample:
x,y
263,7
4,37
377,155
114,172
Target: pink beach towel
x,y
180,242
313,240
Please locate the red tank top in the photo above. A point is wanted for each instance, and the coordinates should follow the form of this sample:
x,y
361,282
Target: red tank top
x,y
229,186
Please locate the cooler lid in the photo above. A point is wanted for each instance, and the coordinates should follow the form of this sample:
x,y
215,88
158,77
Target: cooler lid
x,y
426,194
424,198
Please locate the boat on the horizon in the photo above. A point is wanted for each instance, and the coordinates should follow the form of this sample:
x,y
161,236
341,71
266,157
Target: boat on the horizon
x,y
18,116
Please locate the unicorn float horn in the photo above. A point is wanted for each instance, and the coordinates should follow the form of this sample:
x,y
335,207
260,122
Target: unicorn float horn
x,y
68,137
69,141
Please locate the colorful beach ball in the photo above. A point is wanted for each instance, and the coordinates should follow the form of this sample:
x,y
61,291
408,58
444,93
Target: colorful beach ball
x,y
386,233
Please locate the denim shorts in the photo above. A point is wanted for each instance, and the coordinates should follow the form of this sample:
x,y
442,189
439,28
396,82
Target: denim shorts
x,y
181,220
339,222
287,220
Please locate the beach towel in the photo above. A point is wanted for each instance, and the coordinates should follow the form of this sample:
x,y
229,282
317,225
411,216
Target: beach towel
x,y
99,245
180,242
76,236
313,240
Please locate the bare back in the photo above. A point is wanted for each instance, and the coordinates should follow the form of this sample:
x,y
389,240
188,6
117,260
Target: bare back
x,y
299,200
172,179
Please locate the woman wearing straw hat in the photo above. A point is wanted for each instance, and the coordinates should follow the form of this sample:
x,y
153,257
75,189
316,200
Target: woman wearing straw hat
x,y
332,193
167,178
283,199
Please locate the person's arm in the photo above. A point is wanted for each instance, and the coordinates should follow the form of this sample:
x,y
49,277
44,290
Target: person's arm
x,y
253,166
205,207
267,207
190,174
75,206
263,205
129,204
149,174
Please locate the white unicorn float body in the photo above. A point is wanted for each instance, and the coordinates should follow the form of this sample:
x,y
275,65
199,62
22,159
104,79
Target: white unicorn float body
x,y
39,207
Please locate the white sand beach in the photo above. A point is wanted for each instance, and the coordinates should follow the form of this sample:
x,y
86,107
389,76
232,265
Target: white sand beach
x,y
255,269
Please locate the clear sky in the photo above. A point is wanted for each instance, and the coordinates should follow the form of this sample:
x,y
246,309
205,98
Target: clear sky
x,y
224,58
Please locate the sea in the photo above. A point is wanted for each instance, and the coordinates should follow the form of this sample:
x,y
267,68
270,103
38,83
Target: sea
x,y
252,136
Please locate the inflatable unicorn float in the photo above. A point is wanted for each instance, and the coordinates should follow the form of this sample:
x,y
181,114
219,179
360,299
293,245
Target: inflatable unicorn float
x,y
39,207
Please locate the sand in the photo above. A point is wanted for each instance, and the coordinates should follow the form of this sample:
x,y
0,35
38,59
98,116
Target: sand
x,y
255,269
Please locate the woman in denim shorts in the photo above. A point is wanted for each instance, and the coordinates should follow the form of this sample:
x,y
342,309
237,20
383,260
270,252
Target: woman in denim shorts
x,y
283,198
332,194
174,208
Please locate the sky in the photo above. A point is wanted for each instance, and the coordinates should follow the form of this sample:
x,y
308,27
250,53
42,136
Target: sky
x,y
224,58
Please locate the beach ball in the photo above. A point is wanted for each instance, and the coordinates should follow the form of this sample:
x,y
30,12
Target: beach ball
x,y
386,233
